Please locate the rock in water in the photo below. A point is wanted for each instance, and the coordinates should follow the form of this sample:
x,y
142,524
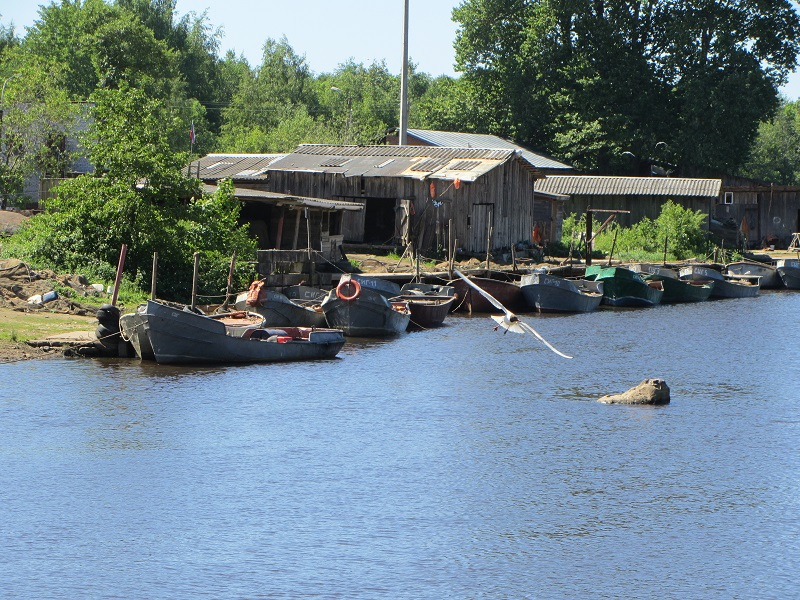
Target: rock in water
x,y
650,391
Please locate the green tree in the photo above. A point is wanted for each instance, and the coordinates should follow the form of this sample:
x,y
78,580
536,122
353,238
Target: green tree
x,y
590,80
139,195
35,120
775,156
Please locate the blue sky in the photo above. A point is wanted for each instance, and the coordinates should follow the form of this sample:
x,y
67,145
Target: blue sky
x,y
328,32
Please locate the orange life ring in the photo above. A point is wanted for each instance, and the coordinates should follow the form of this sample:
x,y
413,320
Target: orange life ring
x,y
356,290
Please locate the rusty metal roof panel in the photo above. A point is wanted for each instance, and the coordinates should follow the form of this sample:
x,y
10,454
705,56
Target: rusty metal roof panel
x,y
482,140
233,166
587,185
417,162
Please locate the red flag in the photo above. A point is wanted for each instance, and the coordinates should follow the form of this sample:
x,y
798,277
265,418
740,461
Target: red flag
x,y
192,137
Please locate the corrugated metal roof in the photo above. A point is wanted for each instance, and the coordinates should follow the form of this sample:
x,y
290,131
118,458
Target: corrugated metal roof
x,y
233,166
289,200
587,185
417,162
483,140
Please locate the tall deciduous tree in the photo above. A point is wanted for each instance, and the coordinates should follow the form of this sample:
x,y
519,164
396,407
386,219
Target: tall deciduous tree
x,y
139,195
592,79
775,156
35,120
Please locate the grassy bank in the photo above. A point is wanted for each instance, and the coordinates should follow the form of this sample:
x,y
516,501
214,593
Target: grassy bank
x,y
18,326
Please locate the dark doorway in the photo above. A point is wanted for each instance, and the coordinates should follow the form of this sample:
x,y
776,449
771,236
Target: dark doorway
x,y
379,218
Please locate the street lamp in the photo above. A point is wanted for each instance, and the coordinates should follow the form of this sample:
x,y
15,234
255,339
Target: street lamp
x,y
349,105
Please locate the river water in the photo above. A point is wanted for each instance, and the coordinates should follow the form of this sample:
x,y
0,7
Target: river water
x,y
452,463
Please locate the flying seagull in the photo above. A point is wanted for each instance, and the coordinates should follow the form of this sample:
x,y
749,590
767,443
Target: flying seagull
x,y
508,320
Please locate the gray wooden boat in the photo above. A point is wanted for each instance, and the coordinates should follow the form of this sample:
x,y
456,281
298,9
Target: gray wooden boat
x,y
304,293
550,293
676,290
280,311
388,289
132,327
364,312
623,287
789,271
429,303
723,287
770,279
181,336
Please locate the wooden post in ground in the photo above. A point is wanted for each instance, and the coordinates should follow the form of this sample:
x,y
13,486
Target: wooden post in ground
x,y
122,252
588,237
194,279
489,237
230,281
154,277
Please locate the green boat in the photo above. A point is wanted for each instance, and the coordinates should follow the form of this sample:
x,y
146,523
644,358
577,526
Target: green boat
x,y
675,289
623,287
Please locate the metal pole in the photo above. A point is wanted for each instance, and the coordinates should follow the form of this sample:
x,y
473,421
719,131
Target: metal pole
x,y
403,138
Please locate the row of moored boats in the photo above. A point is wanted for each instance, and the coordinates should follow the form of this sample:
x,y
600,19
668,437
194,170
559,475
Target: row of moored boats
x,y
305,323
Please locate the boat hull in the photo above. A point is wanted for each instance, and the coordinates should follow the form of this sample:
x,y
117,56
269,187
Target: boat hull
x,y
427,313
624,288
507,293
369,315
182,337
676,290
723,288
133,329
280,311
770,278
429,304
789,272
548,293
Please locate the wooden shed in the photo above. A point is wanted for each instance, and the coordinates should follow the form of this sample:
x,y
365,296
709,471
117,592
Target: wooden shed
x,y
642,196
474,195
278,221
766,214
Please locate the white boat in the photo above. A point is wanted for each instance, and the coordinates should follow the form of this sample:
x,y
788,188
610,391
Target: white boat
x,y
770,279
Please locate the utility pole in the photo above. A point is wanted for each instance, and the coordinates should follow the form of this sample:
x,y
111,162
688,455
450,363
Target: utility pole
x,y
403,137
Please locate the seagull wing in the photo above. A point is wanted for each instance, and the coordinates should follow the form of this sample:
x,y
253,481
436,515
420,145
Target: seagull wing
x,y
509,320
536,334
495,302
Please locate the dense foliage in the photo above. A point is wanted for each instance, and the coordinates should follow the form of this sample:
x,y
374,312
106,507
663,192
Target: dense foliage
x,y
680,229
139,195
673,82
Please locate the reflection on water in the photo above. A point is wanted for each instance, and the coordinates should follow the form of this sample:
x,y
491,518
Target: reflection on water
x,y
457,462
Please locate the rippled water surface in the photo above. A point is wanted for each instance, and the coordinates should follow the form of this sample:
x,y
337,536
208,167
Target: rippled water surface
x,y
452,463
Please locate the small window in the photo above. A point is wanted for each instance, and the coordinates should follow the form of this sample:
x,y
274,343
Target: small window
x,y
728,198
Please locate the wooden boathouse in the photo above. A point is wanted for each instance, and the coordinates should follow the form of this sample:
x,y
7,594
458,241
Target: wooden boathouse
x,y
477,196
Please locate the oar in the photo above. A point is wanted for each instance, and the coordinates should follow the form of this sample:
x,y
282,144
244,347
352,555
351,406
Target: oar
x,y
509,321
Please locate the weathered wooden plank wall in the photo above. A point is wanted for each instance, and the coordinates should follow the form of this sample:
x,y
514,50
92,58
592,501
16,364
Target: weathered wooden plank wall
x,y
508,187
